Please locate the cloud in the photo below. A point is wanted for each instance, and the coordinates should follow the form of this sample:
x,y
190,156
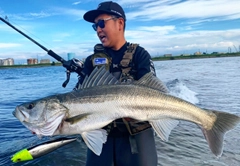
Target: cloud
x,y
56,11
189,23
78,14
76,3
5,28
162,30
9,45
61,35
194,9
177,43
30,15
41,14
163,26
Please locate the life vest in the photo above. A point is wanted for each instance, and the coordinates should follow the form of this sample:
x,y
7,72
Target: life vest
x,y
126,63
100,58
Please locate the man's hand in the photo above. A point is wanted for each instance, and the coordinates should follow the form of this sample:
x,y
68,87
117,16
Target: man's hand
x,y
74,65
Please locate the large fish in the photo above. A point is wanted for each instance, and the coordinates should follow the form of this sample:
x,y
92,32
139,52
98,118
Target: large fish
x,y
101,99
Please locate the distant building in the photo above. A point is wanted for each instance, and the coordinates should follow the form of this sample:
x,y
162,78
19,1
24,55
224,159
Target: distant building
x,y
198,53
167,55
71,56
32,61
45,61
6,62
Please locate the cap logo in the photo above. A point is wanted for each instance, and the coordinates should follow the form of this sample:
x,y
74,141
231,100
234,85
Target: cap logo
x,y
99,6
114,11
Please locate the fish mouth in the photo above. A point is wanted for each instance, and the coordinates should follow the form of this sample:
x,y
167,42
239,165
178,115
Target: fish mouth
x,y
19,114
14,113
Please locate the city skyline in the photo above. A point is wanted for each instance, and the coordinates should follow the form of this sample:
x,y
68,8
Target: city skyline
x,y
161,27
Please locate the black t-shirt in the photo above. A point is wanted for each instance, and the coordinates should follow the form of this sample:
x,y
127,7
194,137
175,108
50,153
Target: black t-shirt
x,y
141,60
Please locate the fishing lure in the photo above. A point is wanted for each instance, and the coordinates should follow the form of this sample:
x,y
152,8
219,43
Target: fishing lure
x,y
40,150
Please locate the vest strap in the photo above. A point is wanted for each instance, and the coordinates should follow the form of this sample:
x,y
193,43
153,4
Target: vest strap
x,y
127,59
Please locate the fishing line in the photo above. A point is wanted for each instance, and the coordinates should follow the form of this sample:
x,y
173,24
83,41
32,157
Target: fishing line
x,y
23,29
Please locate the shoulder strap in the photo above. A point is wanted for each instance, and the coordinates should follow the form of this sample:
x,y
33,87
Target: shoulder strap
x,y
100,57
127,58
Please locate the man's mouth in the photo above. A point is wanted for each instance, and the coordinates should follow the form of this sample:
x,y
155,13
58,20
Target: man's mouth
x,y
102,37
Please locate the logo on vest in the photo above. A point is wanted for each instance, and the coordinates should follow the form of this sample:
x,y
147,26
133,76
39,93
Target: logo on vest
x,y
100,61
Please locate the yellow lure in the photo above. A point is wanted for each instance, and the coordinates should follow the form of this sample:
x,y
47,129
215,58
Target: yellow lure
x,y
23,155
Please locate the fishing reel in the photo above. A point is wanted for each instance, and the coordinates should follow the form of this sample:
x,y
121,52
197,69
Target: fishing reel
x,y
73,65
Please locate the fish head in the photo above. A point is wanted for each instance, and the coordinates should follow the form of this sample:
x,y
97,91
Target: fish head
x,y
43,116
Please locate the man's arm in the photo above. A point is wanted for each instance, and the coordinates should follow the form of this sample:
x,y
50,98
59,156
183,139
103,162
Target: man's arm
x,y
143,62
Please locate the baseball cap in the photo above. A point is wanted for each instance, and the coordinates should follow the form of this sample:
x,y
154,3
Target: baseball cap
x,y
108,7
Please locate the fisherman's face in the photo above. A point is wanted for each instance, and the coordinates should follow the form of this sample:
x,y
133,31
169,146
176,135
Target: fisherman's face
x,y
111,33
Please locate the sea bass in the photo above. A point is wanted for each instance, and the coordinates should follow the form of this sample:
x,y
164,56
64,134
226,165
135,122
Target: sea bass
x,y
102,99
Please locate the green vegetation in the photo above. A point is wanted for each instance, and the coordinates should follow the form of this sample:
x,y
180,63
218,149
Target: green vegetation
x,y
159,58
195,56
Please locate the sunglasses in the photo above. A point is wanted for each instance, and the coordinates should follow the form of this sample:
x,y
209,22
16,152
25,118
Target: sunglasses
x,y
101,23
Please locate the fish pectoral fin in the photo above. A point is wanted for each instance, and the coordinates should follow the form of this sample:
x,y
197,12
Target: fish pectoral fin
x,y
164,127
95,139
77,118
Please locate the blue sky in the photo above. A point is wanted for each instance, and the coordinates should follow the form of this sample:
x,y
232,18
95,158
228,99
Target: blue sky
x,y
161,27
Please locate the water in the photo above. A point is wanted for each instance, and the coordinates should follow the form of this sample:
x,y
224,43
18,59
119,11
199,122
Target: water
x,y
209,83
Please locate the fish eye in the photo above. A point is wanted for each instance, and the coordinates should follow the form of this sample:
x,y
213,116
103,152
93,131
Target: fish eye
x,y
18,160
30,106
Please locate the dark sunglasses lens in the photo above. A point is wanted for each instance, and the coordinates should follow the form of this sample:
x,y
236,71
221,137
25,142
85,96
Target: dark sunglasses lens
x,y
100,23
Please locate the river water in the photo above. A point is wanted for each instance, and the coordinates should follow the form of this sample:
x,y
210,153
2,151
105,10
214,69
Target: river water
x,y
209,83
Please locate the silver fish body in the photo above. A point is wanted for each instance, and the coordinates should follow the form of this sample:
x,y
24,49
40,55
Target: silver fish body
x,y
102,99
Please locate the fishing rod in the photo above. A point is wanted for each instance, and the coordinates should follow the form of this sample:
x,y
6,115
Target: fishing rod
x,y
50,52
72,66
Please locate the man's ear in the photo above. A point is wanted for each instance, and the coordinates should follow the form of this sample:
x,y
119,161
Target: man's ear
x,y
121,24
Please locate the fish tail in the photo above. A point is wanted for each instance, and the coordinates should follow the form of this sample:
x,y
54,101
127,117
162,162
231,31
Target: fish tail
x,y
224,123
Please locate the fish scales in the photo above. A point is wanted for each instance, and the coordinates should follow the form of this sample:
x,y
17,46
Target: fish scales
x,y
132,101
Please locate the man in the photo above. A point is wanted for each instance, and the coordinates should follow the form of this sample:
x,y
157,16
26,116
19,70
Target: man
x,y
129,142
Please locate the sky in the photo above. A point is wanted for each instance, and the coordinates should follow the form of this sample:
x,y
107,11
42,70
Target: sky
x,y
162,27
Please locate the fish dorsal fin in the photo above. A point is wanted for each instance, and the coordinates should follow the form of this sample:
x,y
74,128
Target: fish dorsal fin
x,y
163,127
98,77
152,81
